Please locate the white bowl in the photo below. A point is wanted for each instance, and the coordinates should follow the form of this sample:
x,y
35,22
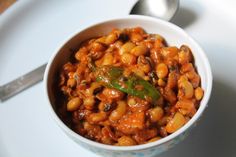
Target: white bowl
x,y
174,36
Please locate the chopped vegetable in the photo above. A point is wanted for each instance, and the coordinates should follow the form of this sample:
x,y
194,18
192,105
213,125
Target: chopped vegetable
x,y
113,77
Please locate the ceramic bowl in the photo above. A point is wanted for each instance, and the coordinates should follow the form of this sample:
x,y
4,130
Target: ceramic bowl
x,y
174,36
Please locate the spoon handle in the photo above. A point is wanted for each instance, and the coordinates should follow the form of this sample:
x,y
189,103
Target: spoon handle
x,y
14,87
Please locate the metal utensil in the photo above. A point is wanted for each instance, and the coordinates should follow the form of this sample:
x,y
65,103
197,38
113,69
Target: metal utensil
x,y
164,9
12,88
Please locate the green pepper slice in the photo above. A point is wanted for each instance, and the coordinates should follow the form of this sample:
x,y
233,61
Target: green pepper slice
x,y
113,77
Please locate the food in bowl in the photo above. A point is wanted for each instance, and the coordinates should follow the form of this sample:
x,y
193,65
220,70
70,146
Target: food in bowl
x,y
128,88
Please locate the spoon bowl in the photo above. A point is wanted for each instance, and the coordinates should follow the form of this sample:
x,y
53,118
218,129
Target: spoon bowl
x,y
163,9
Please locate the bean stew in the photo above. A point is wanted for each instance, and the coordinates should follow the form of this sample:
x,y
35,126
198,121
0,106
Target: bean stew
x,y
128,88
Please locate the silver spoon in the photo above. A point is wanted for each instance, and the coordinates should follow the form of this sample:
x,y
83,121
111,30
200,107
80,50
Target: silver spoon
x,y
164,9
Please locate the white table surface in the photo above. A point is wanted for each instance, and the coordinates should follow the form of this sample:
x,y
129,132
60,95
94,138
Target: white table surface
x,y
31,30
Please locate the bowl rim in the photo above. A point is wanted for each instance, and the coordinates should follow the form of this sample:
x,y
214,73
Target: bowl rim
x,y
166,139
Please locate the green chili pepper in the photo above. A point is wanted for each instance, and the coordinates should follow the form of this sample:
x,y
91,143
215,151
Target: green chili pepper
x,y
113,77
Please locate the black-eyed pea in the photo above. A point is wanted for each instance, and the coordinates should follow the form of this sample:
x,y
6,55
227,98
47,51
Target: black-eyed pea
x,y
136,37
169,52
139,50
111,38
94,85
183,58
74,104
161,70
194,78
81,53
144,64
187,89
170,95
136,34
89,102
126,141
155,55
146,68
172,79
185,49
185,55
186,107
156,114
158,44
198,93
92,129
175,123
187,67
119,111
128,59
94,118
126,48
96,46
97,50
105,107
107,59
118,44
195,81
